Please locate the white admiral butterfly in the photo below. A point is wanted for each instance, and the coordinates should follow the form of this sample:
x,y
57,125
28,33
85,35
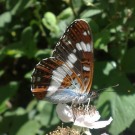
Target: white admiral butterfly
x,y
67,75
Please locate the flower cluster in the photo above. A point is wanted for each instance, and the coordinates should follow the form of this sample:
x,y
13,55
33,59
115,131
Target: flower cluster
x,y
64,131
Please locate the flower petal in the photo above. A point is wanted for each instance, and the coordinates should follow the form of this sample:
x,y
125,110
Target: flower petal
x,y
104,134
98,124
64,112
80,120
95,125
95,116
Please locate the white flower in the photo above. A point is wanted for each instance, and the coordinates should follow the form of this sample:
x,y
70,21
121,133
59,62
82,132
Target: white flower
x,y
104,134
81,116
64,113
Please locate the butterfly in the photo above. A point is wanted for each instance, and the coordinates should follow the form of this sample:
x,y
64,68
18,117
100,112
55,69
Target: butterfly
x,y
67,76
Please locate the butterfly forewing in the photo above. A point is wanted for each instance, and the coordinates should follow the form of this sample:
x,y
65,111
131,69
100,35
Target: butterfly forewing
x,y
75,48
70,68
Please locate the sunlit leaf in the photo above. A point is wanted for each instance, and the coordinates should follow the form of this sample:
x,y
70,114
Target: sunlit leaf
x,y
101,40
30,128
120,100
90,13
5,18
65,13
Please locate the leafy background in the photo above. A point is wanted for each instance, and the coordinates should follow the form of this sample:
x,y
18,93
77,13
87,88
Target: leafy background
x,y
29,31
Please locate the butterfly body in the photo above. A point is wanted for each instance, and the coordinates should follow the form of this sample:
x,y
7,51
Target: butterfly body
x,y
67,96
67,75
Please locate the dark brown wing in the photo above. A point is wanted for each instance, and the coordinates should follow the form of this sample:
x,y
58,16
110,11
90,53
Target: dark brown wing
x,y
75,48
71,66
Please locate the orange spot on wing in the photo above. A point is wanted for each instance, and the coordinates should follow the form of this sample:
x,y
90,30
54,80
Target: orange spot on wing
x,y
39,93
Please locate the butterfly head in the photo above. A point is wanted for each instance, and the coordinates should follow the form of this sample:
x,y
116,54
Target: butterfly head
x,y
93,94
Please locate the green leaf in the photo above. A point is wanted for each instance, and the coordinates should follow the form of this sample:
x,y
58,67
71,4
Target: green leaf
x,y
101,72
3,106
28,75
116,102
76,4
88,2
128,62
13,50
28,43
41,54
65,14
29,128
18,111
102,39
1,72
122,114
27,46
5,18
121,108
50,117
7,92
17,118
49,21
31,105
90,13
16,6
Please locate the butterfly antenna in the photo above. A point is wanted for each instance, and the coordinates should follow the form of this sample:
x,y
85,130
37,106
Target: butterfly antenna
x,y
113,86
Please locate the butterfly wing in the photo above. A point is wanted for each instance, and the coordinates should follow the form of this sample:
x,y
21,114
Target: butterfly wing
x,y
70,70
75,48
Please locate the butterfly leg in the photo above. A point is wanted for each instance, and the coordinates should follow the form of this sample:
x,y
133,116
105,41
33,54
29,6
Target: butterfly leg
x,y
75,101
87,107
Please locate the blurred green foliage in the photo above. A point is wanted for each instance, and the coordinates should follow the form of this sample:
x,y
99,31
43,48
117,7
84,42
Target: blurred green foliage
x,y
29,31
